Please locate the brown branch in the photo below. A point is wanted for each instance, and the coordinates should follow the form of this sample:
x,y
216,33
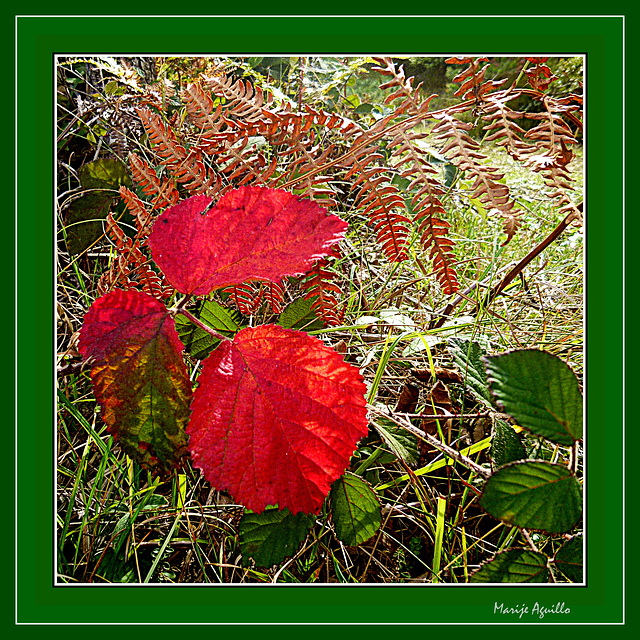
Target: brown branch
x,y
554,235
434,442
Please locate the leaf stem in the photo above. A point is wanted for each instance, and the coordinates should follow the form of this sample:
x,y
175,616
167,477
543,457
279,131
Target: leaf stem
x,y
202,325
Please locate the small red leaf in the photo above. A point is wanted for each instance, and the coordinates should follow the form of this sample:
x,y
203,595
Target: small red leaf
x,y
138,375
253,233
276,418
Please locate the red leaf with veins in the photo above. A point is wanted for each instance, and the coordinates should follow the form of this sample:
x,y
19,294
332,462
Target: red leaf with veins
x,y
138,375
276,418
253,233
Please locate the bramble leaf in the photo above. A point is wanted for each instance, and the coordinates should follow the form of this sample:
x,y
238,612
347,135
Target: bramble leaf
x,y
198,342
139,377
253,233
272,536
569,559
355,509
539,391
276,417
534,494
514,565
506,445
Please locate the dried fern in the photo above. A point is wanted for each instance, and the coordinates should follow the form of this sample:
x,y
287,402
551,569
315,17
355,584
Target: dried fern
x,y
235,133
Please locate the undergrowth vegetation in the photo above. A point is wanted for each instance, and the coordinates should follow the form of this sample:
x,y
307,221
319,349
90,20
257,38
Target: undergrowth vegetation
x,y
464,241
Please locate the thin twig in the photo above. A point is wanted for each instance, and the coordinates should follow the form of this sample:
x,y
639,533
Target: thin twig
x,y
461,297
201,324
434,442
554,235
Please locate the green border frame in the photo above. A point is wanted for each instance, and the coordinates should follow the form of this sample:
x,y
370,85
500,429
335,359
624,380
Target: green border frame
x,y
38,38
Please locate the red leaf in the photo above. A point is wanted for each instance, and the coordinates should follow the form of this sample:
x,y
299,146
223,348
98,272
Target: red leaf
x,y
276,418
138,375
252,233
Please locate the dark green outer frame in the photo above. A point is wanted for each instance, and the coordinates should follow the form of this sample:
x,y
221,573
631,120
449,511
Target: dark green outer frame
x,y
37,599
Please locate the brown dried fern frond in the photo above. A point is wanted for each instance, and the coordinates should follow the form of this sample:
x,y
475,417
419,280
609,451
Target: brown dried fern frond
x,y
186,166
242,163
502,126
380,200
131,268
142,216
472,83
463,151
539,75
409,96
274,296
324,293
246,297
244,102
161,191
413,163
201,110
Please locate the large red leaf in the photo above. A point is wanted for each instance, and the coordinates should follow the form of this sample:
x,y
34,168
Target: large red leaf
x,y
253,233
276,418
138,375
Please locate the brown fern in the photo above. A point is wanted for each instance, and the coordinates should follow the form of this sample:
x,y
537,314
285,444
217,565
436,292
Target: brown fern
x,y
464,152
185,166
131,268
471,79
273,296
504,131
324,293
143,217
161,191
246,297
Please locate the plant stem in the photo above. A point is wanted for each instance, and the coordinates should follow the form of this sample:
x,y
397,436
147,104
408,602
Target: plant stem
x,y
554,235
434,442
202,325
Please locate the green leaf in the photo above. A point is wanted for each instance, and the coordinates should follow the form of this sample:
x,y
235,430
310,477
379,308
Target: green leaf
x,y
534,495
569,559
468,358
355,509
540,391
299,315
402,443
273,535
84,216
197,341
104,173
84,220
514,565
506,444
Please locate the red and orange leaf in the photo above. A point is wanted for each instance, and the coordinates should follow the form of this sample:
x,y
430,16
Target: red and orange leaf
x,y
253,233
138,375
276,418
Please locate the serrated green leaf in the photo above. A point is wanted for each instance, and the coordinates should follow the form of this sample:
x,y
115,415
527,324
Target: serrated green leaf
x,y
355,509
299,315
514,565
534,495
506,445
468,358
539,391
197,341
402,443
569,559
272,536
